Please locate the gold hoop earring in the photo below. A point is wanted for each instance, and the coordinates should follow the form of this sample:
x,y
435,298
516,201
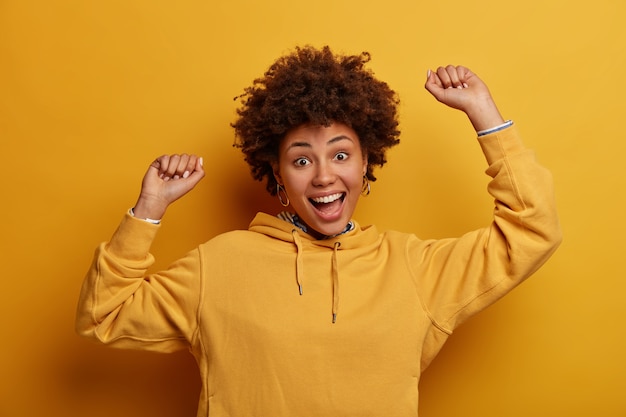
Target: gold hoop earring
x,y
280,188
365,190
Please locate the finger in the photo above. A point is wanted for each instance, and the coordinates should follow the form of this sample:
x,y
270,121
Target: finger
x,y
167,171
160,164
181,168
453,74
464,75
191,166
198,171
444,76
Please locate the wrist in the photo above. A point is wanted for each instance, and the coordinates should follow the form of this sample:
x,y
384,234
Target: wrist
x,y
146,219
147,208
485,115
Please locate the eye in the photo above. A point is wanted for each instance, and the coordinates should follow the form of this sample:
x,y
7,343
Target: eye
x,y
301,162
341,156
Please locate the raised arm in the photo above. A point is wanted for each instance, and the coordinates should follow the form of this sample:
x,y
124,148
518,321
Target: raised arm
x,y
459,277
119,303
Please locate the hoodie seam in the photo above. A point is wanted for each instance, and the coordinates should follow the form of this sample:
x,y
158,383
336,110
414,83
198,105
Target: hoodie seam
x,y
195,337
415,278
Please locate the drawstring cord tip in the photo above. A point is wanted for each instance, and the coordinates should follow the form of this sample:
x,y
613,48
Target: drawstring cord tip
x,y
300,288
334,317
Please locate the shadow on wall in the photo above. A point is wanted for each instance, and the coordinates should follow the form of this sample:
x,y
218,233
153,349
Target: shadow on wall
x,y
99,381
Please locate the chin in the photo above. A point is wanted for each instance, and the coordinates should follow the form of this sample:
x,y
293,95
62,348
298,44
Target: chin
x,y
328,230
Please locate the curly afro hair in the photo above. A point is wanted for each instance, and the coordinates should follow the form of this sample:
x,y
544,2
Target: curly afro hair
x,y
313,86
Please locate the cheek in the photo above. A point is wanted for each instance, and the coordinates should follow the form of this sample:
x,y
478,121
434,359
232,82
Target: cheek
x,y
355,179
295,180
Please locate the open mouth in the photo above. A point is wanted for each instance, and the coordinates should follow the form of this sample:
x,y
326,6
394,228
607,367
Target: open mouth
x,y
328,203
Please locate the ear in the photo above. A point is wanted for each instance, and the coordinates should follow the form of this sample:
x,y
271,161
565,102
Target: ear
x,y
276,172
365,164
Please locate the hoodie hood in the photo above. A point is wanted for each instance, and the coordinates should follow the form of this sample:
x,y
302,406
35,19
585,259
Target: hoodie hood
x,y
304,243
272,226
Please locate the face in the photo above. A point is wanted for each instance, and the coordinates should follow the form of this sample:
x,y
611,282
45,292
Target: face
x,y
322,169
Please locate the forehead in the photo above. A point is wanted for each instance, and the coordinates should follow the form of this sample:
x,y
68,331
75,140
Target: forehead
x,y
314,135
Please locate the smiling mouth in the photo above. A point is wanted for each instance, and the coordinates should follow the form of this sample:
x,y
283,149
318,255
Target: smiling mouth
x,y
328,203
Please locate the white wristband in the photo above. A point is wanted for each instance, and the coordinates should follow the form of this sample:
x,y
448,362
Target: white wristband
x,y
495,128
132,213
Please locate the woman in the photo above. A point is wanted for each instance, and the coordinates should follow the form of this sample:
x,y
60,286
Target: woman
x,y
309,313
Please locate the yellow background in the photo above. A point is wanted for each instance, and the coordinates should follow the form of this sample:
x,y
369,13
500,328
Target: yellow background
x,y
91,91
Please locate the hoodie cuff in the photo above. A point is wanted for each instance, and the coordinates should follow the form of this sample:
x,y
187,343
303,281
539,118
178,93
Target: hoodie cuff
x,y
133,238
501,143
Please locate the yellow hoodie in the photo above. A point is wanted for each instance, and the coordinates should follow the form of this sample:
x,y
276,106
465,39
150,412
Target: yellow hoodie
x,y
257,307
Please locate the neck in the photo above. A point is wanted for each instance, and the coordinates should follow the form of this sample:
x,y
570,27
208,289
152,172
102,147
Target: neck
x,y
297,221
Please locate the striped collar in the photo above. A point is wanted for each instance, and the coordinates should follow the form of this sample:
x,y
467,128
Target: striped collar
x,y
295,220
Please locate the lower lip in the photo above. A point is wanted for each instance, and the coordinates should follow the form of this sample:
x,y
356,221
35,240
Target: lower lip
x,y
332,216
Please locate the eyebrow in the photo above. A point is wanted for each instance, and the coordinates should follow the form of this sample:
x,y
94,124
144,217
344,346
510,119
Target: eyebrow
x,y
330,142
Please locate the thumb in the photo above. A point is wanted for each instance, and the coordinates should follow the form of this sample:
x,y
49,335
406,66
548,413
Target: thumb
x,y
434,85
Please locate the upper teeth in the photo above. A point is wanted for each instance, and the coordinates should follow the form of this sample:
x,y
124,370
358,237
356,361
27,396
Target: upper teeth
x,y
327,198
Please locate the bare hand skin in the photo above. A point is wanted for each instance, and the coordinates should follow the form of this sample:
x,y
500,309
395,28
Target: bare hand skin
x,y
461,89
168,178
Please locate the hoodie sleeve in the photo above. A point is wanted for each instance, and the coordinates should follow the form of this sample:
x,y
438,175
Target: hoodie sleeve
x,y
457,278
123,306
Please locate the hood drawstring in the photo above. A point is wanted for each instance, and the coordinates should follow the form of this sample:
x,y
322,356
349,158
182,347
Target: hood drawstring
x,y
299,269
335,270
335,281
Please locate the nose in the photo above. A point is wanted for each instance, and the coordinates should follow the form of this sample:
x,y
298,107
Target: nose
x,y
324,175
